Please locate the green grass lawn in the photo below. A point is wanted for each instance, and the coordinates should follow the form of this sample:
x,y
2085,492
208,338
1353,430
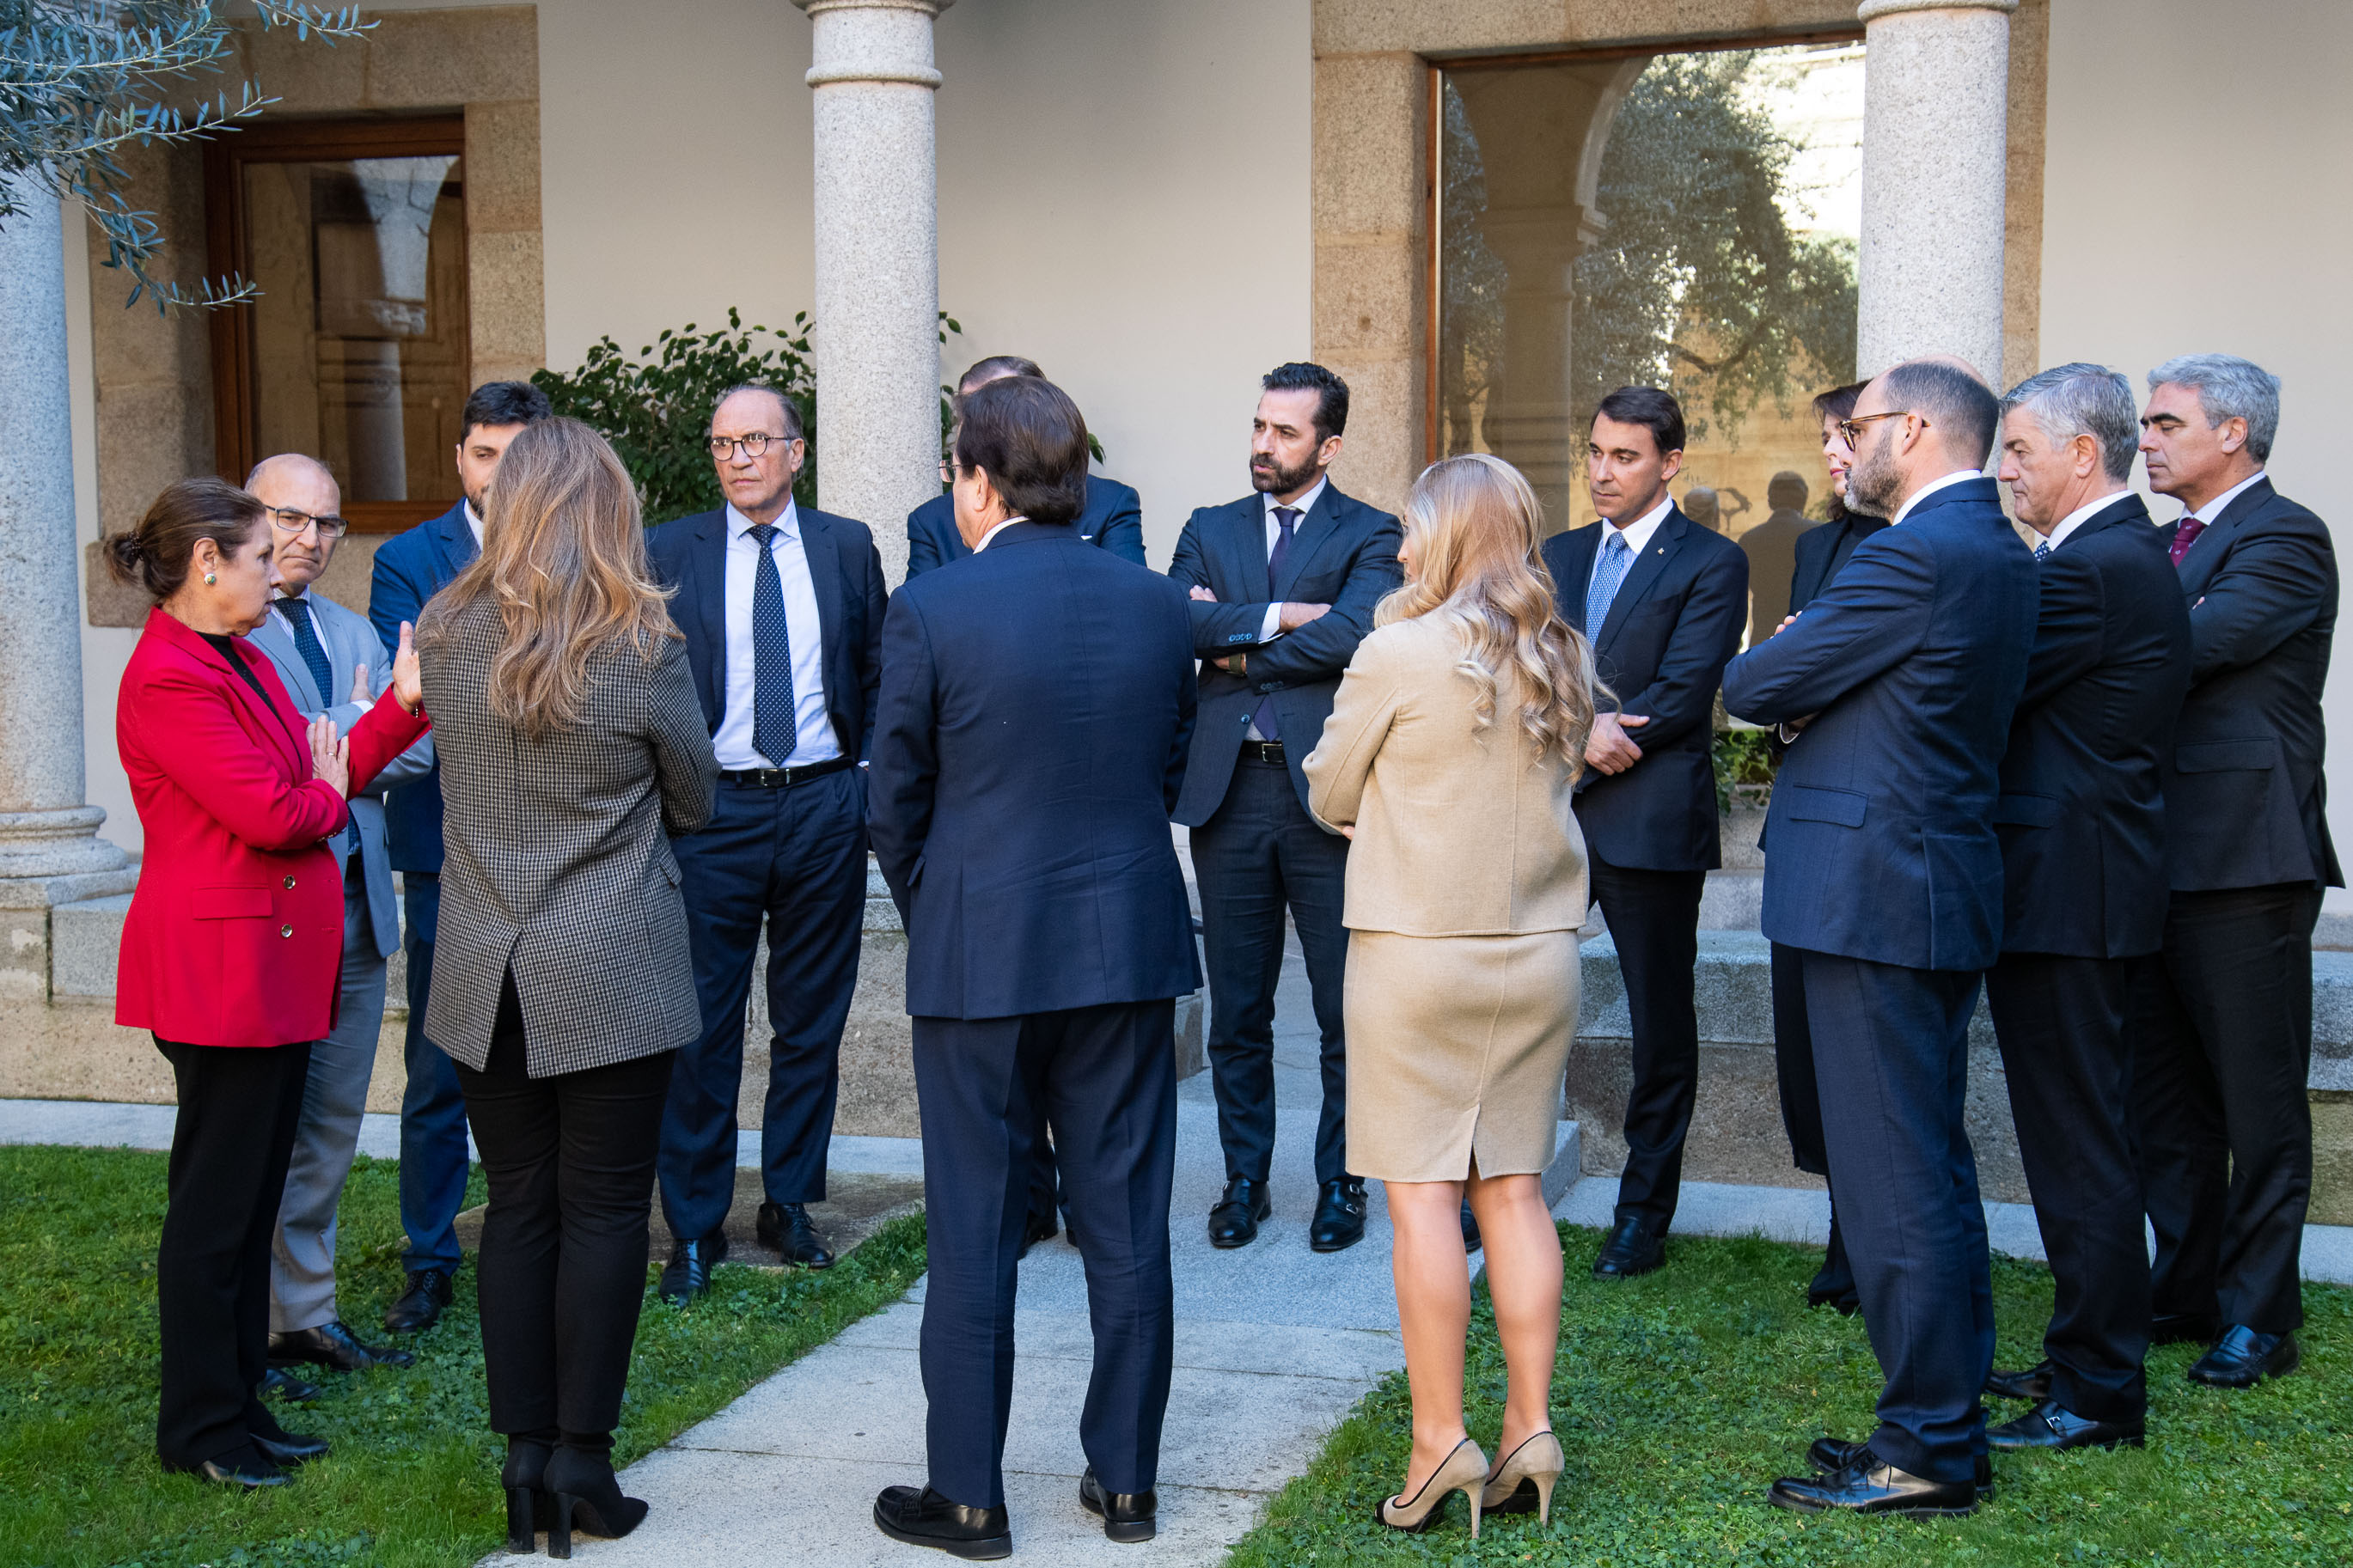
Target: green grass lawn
x,y
414,1478
1681,1396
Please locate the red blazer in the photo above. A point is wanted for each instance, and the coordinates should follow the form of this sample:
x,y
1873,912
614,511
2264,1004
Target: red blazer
x,y
236,934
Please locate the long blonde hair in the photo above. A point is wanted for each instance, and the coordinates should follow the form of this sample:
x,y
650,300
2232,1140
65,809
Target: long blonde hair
x,y
563,558
1476,528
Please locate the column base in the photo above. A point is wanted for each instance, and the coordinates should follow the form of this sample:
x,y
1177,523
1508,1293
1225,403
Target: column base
x,y
47,859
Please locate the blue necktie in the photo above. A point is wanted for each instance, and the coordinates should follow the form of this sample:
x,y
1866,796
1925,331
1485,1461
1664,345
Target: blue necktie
x,y
314,657
2043,551
772,656
1606,575
1285,517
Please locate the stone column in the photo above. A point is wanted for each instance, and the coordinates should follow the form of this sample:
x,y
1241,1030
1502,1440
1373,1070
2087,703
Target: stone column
x,y
878,270
49,851
1935,167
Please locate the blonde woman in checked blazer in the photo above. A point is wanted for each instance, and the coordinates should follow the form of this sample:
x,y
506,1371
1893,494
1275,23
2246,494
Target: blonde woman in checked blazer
x,y
571,747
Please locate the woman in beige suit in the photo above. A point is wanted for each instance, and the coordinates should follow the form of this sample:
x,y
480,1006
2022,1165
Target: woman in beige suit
x,y
1450,758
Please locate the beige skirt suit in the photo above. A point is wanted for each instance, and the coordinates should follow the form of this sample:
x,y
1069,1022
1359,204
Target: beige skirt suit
x,y
1465,889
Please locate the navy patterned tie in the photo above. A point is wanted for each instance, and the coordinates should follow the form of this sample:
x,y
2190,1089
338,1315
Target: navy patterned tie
x,y
2043,551
314,657
1285,518
772,656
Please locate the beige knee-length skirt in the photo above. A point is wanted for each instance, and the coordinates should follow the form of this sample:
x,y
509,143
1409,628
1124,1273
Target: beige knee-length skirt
x,y
1457,1046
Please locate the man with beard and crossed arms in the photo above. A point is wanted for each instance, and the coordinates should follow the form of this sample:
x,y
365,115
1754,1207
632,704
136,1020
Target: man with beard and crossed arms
x,y
1894,690
2082,820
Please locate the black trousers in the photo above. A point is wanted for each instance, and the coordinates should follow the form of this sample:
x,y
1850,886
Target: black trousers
x,y
1107,1079
2061,1025
239,1108
1655,923
1260,853
2222,1124
570,1160
1801,1109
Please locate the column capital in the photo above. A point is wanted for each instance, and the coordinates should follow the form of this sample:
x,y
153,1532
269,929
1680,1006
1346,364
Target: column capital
x,y
1872,10
884,40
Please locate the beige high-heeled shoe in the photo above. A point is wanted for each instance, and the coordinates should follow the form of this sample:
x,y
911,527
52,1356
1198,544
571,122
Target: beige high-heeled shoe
x,y
1464,1471
1522,1483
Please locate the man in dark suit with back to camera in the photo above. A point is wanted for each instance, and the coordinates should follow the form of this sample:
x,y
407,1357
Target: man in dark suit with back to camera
x,y
782,609
1894,690
2082,821
1283,583
2224,1019
408,570
1663,600
1037,704
1112,521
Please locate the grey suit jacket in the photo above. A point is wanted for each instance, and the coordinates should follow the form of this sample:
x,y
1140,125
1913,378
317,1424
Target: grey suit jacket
x,y
557,860
349,642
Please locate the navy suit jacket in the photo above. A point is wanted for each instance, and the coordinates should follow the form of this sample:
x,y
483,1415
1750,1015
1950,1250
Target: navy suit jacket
x,y
410,568
1661,649
1343,553
690,555
1114,520
2082,814
1880,842
1822,551
2245,794
1037,703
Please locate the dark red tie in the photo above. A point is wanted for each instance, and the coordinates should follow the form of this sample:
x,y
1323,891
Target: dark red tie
x,y
2186,535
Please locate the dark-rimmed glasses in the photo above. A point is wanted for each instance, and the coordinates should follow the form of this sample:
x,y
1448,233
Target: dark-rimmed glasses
x,y
291,523
758,442
1849,428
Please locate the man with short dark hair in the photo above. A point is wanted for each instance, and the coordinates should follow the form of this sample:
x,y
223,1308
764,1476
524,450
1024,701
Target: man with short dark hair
x,y
1894,690
1113,519
1283,583
782,611
1036,703
1662,601
1771,547
408,570
2224,1020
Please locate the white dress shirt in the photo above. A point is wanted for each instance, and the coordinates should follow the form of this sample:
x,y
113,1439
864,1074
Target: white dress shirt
x,y
2213,508
1636,535
813,737
991,537
1270,627
1931,488
2082,515
474,522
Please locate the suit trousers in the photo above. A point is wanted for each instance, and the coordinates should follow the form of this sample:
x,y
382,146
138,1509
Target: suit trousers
x,y
1258,853
1107,1077
1801,1109
2061,1025
570,1162
239,1107
2222,1124
334,1098
797,859
433,1153
1891,1048
1655,923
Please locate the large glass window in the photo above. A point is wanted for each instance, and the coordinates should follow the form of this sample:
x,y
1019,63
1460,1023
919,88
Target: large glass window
x,y
1687,220
354,348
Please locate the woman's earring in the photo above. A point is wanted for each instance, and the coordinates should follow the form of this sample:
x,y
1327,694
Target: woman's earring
x,y
210,579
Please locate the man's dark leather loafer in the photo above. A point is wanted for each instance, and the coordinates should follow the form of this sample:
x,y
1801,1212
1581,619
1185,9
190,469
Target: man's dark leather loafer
x,y
1339,1222
289,1449
276,1382
788,1228
1126,1516
2242,1358
2049,1426
1630,1250
1868,1485
2033,1384
420,1306
1234,1222
335,1347
242,1467
688,1273
922,1517
1829,1454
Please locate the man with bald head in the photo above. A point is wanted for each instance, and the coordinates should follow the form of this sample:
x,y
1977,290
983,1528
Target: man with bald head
x,y
333,663
1894,691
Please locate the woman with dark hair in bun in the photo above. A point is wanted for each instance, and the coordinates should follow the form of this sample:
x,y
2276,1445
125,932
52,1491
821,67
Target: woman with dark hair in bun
x,y
232,944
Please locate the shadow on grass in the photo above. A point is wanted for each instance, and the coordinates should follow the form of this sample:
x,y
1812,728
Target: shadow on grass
x,y
414,1476
1681,1396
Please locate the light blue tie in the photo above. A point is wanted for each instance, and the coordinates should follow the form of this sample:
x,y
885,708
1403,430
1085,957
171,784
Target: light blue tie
x,y
2043,551
1607,575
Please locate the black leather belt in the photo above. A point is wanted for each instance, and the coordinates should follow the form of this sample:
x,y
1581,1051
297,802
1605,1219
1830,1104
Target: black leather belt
x,y
1264,752
783,778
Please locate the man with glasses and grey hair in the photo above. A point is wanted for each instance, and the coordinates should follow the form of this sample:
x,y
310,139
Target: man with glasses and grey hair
x,y
782,609
2082,822
2223,1022
333,663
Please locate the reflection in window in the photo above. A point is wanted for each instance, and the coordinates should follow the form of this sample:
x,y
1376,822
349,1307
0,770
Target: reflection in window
x,y
1681,220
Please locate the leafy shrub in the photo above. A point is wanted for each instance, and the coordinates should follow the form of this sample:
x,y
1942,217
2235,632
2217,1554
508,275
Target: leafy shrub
x,y
1743,759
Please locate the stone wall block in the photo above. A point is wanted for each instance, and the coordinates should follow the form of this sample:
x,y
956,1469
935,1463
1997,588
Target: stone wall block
x,y
506,298
420,59
502,167
1367,300
1383,452
1368,131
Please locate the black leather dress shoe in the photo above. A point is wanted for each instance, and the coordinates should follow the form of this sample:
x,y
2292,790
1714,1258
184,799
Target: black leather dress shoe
x,y
924,1518
331,1345
1631,1250
289,1449
242,1466
688,1273
1471,1241
2242,1358
420,1305
788,1228
1833,1283
1234,1222
2051,1426
2033,1384
1829,1454
279,1383
2183,1328
1339,1222
1866,1485
1126,1516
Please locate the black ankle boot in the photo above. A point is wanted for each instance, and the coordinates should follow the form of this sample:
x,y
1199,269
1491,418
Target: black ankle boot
x,y
530,1507
587,1493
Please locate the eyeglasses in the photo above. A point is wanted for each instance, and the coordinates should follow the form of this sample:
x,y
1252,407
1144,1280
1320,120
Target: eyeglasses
x,y
758,442
291,523
1850,428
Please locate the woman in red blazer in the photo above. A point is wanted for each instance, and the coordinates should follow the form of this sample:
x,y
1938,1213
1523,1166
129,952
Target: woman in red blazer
x,y
233,944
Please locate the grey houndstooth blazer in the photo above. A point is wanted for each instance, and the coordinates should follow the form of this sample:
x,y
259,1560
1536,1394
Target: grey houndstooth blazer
x,y
559,860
